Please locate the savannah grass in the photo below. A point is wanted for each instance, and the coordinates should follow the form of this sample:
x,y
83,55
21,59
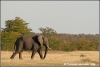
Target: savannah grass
x,y
54,58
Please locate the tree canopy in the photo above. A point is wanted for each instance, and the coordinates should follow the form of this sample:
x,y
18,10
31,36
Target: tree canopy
x,y
48,31
14,29
17,25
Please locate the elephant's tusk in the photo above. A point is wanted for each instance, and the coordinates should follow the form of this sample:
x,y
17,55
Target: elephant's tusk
x,y
48,47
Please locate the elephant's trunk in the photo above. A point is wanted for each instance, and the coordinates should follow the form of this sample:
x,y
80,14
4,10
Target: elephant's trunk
x,y
46,50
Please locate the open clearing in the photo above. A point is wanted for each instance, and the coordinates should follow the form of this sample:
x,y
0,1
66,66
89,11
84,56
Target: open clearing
x,y
53,58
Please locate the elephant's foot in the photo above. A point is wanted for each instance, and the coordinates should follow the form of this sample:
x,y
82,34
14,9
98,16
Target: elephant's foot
x,y
42,58
21,58
31,57
12,57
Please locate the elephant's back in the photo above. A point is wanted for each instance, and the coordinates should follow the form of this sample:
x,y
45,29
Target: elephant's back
x,y
28,42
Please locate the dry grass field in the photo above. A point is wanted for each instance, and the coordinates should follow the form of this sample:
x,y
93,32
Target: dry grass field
x,y
54,58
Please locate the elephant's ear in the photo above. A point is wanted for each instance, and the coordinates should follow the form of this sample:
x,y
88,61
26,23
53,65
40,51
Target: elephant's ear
x,y
40,39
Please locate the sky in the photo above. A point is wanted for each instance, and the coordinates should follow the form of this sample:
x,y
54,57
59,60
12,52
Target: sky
x,y
70,17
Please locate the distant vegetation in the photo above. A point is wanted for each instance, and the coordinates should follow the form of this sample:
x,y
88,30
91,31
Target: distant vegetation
x,y
63,42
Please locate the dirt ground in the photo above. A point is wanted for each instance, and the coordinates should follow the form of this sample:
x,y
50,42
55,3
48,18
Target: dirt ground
x,y
53,58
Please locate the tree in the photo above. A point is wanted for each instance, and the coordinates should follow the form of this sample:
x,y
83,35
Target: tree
x,y
14,29
48,31
17,25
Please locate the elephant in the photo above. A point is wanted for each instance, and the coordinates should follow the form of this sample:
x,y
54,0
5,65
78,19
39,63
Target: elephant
x,y
33,43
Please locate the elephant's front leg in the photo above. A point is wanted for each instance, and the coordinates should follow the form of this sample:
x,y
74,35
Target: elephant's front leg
x,y
40,52
34,51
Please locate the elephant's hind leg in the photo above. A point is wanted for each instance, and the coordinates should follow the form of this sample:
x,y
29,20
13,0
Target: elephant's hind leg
x,y
18,50
12,56
20,55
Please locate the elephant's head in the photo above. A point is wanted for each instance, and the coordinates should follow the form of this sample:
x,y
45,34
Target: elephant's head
x,y
44,41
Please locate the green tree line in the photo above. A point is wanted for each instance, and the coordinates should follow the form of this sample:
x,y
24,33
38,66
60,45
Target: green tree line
x,y
62,42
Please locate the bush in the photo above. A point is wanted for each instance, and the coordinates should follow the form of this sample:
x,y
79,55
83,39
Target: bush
x,y
8,40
